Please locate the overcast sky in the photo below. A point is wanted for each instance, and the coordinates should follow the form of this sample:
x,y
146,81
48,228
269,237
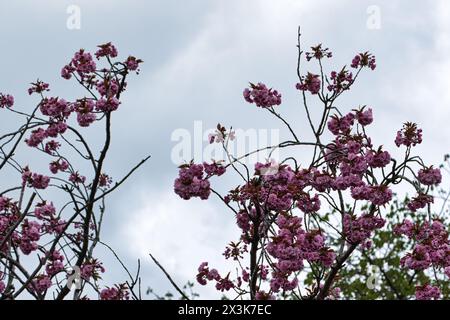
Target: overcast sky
x,y
199,55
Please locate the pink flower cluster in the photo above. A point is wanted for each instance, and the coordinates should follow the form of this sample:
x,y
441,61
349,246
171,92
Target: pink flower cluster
x,y
38,87
364,117
378,159
36,138
359,229
132,63
84,109
39,135
118,292
44,210
290,247
105,180
77,178
107,87
56,108
82,63
34,180
318,53
427,292
307,204
340,81
30,234
6,100
364,60
432,246
341,125
41,283
409,135
419,202
106,50
46,213
107,104
92,269
54,263
311,82
262,96
58,165
193,181
429,176
205,274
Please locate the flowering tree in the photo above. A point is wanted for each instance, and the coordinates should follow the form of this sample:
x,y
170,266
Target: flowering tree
x,y
50,222
303,226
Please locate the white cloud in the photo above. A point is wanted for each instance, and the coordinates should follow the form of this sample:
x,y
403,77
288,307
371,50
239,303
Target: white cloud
x,y
180,234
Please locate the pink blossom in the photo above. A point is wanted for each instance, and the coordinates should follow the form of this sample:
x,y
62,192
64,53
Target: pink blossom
x,y
83,63
58,165
104,180
132,63
364,60
44,209
107,105
118,292
51,146
56,128
364,117
380,195
359,229
342,125
36,138
341,81
308,204
35,180
214,168
56,108
6,100
310,83
191,182
76,178
429,176
419,202
66,71
318,53
38,87
262,96
427,292
262,295
205,274
106,50
41,283
55,263
224,284
409,135
107,87
92,269
378,159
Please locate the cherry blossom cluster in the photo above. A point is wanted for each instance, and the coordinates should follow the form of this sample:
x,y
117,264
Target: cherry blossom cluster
x,y
193,179
431,250
291,246
6,100
118,292
311,82
364,60
409,135
359,229
262,96
317,52
287,212
63,237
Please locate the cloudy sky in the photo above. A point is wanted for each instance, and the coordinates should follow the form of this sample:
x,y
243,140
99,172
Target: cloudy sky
x,y
199,55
